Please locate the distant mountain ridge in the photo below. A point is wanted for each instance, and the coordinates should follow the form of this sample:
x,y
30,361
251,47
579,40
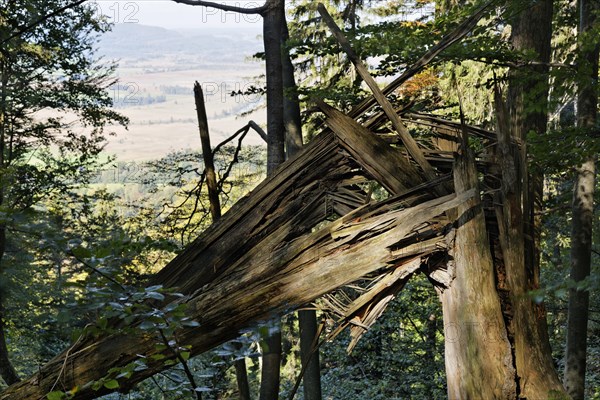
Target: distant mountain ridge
x,y
131,41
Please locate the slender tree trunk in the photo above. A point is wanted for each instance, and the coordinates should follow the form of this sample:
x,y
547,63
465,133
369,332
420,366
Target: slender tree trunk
x,y
307,319
7,371
583,205
430,350
576,349
291,104
272,24
207,154
241,376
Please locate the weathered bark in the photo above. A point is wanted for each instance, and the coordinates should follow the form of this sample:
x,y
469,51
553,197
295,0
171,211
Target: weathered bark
x,y
7,371
583,204
518,204
479,362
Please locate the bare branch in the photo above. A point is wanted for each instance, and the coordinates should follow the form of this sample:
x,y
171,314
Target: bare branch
x,y
261,132
222,6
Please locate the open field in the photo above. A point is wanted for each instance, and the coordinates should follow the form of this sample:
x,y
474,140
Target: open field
x,y
164,76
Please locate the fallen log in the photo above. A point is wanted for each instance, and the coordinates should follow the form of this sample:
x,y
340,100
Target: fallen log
x,y
258,287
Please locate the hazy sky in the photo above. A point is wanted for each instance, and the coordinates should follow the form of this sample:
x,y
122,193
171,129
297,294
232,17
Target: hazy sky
x,y
168,14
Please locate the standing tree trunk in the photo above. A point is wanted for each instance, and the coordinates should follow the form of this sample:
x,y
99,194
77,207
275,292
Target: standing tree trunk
x,y
583,203
479,363
521,194
7,371
272,23
528,104
272,27
291,104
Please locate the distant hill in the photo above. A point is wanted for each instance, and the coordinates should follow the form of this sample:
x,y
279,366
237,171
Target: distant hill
x,y
136,41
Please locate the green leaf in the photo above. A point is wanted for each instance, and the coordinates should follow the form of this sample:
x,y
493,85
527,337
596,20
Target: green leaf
x,y
81,252
147,325
155,296
190,323
111,384
153,288
185,355
56,395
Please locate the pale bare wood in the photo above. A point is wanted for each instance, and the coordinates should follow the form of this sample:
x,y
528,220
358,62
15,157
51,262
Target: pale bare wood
x,y
477,349
388,108
255,289
383,162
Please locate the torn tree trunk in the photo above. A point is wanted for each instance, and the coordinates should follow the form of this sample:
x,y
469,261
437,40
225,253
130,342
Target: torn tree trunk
x,y
258,286
411,146
479,362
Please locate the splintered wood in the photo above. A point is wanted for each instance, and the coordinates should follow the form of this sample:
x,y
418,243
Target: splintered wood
x,y
278,249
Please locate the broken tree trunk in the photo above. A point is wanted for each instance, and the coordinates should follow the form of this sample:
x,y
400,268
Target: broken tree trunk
x,y
259,286
411,146
478,355
207,154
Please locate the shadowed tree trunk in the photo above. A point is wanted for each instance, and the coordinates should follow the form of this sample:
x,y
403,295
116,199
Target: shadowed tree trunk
x,y
528,105
583,203
521,196
291,104
272,31
7,371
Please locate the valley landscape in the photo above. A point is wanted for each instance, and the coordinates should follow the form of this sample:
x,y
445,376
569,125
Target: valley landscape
x,y
157,68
